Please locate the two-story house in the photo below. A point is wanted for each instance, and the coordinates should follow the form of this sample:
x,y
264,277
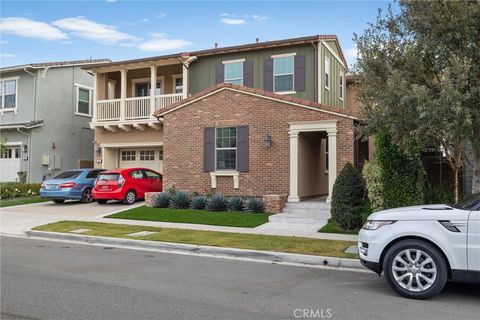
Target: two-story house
x,y
262,118
45,110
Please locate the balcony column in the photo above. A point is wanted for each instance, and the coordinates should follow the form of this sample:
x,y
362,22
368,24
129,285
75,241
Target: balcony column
x,y
153,88
184,81
332,161
95,98
123,93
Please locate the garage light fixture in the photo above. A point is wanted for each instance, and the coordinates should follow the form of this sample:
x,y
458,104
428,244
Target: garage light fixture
x,y
267,140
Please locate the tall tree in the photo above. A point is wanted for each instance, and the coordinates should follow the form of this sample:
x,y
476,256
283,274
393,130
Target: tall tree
x,y
419,74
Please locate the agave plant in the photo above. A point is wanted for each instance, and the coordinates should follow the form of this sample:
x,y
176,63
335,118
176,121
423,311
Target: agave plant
x,y
217,203
235,204
255,205
199,203
162,200
179,200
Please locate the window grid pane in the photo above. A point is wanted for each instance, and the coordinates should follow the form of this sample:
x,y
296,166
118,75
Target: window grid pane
x,y
128,156
284,83
283,65
234,73
226,144
226,159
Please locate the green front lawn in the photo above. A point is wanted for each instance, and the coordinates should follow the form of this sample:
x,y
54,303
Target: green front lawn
x,y
226,219
20,200
332,227
332,248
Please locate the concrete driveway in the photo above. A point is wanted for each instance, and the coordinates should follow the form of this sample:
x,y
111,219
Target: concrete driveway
x,y
18,219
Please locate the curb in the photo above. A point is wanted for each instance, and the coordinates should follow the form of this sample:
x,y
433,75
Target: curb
x,y
255,255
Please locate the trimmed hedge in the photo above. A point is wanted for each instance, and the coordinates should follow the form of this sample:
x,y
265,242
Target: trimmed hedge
x,y
347,198
14,190
373,179
402,174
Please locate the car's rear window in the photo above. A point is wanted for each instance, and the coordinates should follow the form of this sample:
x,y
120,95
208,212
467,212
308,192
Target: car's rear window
x,y
108,176
68,175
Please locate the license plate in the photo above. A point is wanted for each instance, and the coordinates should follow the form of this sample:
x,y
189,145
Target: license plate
x,y
51,186
105,188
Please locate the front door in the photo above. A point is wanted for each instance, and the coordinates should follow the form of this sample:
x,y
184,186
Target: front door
x,y
9,164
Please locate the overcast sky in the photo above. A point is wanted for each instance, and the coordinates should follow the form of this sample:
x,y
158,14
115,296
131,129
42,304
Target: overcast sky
x,y
40,31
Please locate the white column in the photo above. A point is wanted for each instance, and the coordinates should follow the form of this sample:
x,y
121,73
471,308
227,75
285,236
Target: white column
x,y
95,98
332,161
123,93
184,81
153,87
293,196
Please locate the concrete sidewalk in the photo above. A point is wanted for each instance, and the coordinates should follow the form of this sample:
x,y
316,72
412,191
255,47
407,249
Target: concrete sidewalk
x,y
17,220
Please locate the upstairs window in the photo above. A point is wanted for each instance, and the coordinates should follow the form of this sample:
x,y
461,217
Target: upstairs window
x,y
233,72
84,101
226,148
8,93
283,70
341,85
327,73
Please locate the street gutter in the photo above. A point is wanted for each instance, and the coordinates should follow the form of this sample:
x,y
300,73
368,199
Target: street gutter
x,y
208,251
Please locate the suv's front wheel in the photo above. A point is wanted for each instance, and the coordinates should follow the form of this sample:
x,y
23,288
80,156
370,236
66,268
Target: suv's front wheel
x,y
415,269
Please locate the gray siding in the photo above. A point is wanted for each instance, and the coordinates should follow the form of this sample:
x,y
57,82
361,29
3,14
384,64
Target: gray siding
x,y
55,104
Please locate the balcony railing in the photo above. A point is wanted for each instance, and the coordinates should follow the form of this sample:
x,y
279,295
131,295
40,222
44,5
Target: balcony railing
x,y
134,108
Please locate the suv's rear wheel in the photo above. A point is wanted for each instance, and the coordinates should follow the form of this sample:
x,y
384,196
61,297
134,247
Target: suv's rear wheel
x,y
415,269
130,197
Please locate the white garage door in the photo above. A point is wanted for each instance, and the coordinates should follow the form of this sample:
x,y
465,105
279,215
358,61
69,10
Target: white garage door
x,y
151,158
9,164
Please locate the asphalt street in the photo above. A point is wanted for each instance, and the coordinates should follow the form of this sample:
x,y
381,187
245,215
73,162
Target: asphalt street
x,y
59,280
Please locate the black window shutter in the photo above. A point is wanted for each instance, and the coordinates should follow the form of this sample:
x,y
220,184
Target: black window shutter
x,y
209,149
268,75
248,74
299,73
219,73
242,148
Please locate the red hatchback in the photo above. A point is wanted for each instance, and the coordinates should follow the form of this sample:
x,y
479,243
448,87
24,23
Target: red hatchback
x,y
126,185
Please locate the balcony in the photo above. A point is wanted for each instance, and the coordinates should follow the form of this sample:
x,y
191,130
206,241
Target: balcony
x,y
124,98
136,108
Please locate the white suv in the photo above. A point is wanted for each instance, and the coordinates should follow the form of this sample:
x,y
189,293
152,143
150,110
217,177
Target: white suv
x,y
419,248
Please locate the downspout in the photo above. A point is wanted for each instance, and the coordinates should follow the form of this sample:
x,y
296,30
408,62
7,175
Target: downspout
x,y
315,68
34,105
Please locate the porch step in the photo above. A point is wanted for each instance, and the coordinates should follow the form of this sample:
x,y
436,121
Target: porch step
x,y
307,205
289,219
314,212
306,211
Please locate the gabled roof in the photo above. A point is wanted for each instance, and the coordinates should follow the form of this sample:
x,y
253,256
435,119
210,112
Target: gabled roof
x,y
258,93
231,49
42,65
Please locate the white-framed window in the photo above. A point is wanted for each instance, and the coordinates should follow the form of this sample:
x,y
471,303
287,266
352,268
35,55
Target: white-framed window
x,y
84,101
342,79
147,155
233,71
327,73
129,155
8,94
283,73
178,85
226,148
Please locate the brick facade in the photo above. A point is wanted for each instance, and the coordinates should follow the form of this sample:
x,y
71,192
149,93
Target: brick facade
x,y
269,166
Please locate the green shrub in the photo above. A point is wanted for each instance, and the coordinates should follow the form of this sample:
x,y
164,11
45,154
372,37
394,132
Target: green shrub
x,y
255,205
13,190
347,198
162,200
179,200
436,194
199,203
402,174
373,181
217,203
235,204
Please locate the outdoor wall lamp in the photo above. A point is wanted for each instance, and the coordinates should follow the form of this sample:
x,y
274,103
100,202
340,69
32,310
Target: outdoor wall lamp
x,y
25,148
267,140
98,151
